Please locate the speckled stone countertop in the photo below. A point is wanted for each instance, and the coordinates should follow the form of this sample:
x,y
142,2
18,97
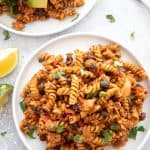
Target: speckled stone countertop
x,y
131,16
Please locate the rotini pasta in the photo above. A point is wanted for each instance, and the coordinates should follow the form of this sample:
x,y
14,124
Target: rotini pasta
x,y
88,102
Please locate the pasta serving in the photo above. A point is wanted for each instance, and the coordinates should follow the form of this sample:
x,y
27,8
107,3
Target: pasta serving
x,y
24,12
87,101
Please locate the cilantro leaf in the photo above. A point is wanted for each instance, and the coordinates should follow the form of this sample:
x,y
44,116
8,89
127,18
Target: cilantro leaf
x,y
90,96
78,138
22,105
102,94
6,35
141,129
60,129
133,133
132,35
59,74
30,133
107,136
115,127
3,133
76,17
111,18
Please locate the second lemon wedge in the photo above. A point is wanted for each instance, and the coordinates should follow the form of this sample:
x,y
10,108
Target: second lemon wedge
x,y
8,61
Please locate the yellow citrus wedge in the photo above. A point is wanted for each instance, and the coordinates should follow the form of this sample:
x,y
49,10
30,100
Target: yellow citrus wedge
x,y
8,61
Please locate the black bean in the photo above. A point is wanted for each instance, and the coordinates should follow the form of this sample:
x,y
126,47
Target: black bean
x,y
43,137
142,116
76,108
104,83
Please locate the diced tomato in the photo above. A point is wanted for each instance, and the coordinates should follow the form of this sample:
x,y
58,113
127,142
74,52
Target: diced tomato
x,y
82,100
98,73
55,63
69,111
45,118
81,124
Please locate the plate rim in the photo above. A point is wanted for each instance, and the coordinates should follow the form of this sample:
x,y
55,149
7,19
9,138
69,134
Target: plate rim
x,y
10,29
38,50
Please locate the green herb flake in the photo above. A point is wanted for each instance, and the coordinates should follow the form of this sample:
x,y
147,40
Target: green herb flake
x,y
60,129
31,132
6,35
3,133
76,17
58,74
107,136
132,35
133,133
102,94
115,127
111,18
141,129
91,95
78,138
130,98
22,105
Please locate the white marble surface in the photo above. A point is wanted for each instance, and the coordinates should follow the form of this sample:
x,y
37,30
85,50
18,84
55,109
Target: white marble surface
x,y
131,16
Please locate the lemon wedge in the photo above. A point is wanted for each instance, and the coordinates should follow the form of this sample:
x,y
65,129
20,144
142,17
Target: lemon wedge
x,y
5,90
8,61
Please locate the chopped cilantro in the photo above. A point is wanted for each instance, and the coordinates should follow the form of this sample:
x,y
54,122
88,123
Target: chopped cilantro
x,y
22,105
3,133
58,74
141,128
107,136
111,18
30,133
132,35
6,35
90,96
60,128
76,17
115,127
102,94
78,138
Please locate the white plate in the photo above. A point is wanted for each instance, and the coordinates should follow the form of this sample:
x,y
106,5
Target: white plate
x,y
47,27
62,45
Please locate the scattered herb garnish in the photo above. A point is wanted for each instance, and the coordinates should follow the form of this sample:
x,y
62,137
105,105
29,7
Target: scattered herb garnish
x,y
130,97
133,131
3,133
78,138
22,105
31,132
111,18
6,35
102,94
141,129
11,5
58,74
60,128
132,35
107,136
76,17
114,127
90,96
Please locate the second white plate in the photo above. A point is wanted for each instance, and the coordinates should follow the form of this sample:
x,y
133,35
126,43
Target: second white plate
x,y
50,26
